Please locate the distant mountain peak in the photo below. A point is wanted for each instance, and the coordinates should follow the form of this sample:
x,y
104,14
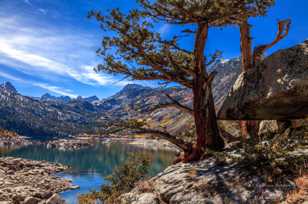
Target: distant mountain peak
x,y
91,99
8,87
133,86
48,97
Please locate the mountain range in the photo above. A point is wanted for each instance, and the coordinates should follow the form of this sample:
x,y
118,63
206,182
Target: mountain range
x,y
51,116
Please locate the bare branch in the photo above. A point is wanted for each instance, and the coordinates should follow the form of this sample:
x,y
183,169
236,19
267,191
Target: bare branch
x,y
214,58
177,104
283,31
209,79
139,127
167,136
173,103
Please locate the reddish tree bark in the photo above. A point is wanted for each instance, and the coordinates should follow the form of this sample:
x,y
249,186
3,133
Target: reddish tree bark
x,y
246,127
203,104
246,49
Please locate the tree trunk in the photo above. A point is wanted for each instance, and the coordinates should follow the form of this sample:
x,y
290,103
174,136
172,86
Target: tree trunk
x,y
200,114
246,49
248,128
244,131
203,104
213,139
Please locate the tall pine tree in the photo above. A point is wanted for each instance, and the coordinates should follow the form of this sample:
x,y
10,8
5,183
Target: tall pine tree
x,y
137,51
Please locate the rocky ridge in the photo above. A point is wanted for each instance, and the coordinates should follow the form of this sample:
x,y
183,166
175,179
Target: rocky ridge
x,y
49,116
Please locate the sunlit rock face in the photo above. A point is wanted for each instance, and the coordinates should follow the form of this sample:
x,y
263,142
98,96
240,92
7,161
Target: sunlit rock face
x,y
276,89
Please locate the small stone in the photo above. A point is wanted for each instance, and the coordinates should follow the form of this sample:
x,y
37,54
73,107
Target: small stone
x,y
18,198
148,198
31,200
43,195
55,199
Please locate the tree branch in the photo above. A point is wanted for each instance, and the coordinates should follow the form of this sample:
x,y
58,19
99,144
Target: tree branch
x,y
167,136
214,58
283,31
209,79
138,127
174,103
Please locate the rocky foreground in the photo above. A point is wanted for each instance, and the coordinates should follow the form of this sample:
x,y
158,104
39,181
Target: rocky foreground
x,y
209,182
31,182
229,178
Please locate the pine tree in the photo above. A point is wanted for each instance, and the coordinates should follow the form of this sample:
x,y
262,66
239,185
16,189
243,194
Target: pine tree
x,y
137,51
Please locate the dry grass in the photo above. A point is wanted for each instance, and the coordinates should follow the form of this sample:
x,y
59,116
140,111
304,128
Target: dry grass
x,y
6,133
86,199
145,187
301,194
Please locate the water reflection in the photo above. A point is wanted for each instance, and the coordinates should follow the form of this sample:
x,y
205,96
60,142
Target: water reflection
x,y
91,165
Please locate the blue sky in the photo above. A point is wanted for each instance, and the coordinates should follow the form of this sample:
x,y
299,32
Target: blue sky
x,y
49,45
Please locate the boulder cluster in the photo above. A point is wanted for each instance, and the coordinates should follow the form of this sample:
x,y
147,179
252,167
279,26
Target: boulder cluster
x,y
25,181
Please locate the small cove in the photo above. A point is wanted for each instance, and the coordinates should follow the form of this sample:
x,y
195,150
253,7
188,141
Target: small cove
x,y
90,165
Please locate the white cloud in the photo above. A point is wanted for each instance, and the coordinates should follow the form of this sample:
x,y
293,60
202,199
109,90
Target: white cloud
x,y
30,58
28,2
51,88
43,11
49,52
56,89
92,78
11,77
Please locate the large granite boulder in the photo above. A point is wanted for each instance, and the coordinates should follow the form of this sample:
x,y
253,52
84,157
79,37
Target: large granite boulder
x,y
201,183
276,89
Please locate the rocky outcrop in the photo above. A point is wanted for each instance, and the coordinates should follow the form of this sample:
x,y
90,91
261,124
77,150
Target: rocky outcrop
x,y
203,182
30,182
276,89
12,139
71,144
154,144
232,177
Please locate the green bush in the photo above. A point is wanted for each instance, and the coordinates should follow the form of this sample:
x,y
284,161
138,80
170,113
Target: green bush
x,y
122,180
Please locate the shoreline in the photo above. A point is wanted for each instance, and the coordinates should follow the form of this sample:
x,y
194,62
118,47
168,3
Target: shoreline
x,y
76,143
20,183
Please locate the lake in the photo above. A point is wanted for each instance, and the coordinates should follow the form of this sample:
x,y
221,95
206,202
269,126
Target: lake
x,y
89,166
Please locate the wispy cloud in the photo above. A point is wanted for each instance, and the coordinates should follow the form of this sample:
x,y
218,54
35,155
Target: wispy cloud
x,y
164,29
92,78
56,89
28,2
30,58
43,11
48,51
51,88
11,77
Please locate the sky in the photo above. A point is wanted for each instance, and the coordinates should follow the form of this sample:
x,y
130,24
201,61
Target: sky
x,y
48,46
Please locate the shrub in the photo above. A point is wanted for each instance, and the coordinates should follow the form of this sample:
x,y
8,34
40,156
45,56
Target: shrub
x,y
122,180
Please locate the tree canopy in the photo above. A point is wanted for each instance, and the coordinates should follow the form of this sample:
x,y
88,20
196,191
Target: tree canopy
x,y
135,49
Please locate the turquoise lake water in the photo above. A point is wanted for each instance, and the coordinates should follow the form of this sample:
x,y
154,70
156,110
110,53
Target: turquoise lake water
x,y
89,166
